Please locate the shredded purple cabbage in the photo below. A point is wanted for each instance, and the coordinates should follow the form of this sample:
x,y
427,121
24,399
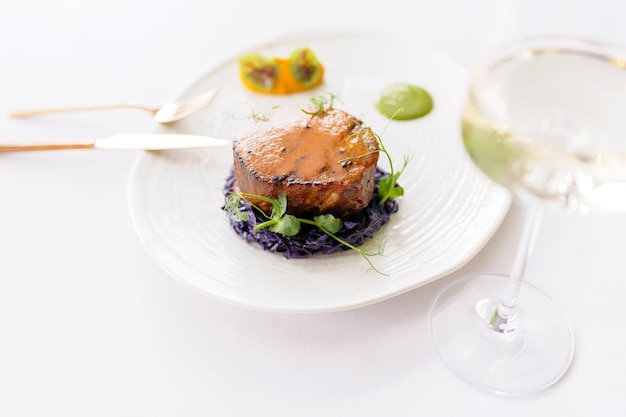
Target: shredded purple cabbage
x,y
311,240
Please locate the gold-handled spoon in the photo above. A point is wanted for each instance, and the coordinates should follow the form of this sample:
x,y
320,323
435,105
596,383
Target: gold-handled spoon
x,y
167,113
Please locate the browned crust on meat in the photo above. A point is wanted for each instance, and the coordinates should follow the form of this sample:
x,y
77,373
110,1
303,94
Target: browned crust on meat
x,y
323,163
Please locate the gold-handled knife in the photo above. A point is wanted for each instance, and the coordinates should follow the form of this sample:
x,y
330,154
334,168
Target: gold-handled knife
x,y
126,141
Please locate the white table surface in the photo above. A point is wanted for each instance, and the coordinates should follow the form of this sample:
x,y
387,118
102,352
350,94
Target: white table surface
x,y
90,326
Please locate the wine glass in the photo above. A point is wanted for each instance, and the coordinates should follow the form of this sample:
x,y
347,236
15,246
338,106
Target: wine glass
x,y
544,117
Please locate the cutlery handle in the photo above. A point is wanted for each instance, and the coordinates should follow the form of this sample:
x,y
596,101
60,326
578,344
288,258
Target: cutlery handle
x,y
44,147
29,113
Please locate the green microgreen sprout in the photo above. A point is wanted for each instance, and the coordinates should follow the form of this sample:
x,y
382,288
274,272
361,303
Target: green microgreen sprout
x,y
286,224
250,114
388,185
232,205
321,103
326,220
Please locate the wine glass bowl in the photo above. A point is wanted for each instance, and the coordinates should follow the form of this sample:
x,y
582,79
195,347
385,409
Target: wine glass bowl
x,y
545,118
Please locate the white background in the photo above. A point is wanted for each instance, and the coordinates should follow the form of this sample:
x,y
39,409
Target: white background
x,y
90,326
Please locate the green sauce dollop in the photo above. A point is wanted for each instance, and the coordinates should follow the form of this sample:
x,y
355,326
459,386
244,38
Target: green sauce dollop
x,y
413,100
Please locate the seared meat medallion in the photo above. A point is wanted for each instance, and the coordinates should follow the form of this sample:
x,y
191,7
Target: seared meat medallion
x,y
324,163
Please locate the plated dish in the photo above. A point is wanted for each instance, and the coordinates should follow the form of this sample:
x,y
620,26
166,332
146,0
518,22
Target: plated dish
x,y
448,213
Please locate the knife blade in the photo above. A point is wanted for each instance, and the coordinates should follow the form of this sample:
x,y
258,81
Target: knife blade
x,y
127,141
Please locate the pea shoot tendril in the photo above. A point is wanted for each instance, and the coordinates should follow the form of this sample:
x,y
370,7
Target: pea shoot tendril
x,y
278,221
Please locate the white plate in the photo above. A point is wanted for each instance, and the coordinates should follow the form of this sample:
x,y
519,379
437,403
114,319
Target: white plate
x,y
448,213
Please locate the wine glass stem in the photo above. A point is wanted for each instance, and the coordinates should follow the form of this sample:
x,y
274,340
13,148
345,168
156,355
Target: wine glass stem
x,y
503,318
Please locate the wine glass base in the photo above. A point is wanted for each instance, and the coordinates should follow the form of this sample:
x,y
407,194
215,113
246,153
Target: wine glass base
x,y
528,359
